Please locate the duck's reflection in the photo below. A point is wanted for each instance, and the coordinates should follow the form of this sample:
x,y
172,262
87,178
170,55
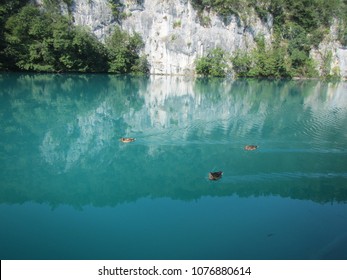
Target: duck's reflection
x,y
68,129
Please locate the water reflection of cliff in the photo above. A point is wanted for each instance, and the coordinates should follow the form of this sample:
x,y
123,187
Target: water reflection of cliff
x,y
59,138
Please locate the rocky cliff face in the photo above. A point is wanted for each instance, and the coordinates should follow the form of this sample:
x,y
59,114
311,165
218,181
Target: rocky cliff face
x,y
171,29
330,55
96,14
175,37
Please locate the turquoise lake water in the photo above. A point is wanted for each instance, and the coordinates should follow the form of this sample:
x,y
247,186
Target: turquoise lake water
x,y
69,189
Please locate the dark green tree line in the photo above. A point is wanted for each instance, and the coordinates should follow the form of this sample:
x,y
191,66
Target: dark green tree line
x,y
46,41
7,9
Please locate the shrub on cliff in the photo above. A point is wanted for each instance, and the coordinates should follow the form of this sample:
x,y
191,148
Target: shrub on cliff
x,y
213,64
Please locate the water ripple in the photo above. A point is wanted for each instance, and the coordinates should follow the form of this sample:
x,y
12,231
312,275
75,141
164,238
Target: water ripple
x,y
281,176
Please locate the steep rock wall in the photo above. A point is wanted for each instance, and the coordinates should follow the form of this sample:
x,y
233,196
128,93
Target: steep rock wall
x,y
331,54
171,30
174,37
96,14
93,14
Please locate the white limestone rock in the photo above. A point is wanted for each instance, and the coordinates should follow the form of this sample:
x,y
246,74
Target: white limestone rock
x,y
174,37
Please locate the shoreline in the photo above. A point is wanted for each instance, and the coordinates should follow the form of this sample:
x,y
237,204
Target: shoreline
x,y
190,76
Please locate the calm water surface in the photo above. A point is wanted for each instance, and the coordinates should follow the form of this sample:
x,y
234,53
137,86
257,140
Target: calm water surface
x,y
69,189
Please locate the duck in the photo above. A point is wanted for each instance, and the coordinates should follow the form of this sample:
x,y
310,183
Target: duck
x,y
215,175
251,147
127,139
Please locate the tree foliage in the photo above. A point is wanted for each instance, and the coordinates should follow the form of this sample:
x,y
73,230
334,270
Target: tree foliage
x,y
40,41
7,9
310,14
214,64
275,62
33,40
46,41
299,25
123,50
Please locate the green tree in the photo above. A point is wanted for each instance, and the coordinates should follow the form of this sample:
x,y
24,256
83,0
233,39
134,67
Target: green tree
x,y
242,63
39,41
140,66
299,25
123,52
7,9
24,37
89,55
262,62
214,64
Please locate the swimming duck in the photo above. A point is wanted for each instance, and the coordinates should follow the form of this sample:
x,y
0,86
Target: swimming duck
x,y
127,140
215,175
250,147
